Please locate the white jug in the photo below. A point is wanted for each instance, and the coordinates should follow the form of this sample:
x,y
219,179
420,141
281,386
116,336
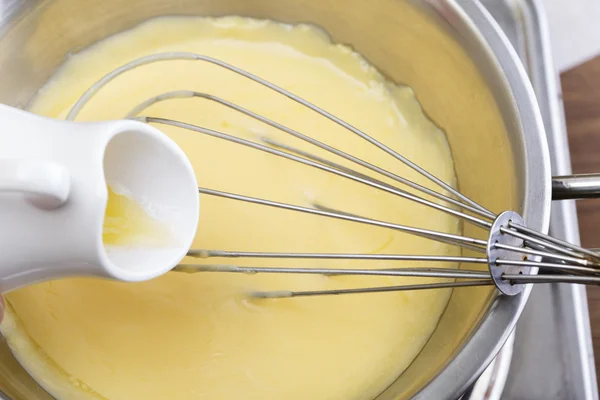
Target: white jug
x,y
53,196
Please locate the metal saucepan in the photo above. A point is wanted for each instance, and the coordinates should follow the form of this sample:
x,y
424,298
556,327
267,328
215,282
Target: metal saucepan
x,y
465,74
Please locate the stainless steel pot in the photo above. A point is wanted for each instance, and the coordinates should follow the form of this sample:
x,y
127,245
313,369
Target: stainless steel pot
x,y
465,74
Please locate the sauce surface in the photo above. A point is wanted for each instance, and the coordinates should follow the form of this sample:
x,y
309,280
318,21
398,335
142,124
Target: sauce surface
x,y
199,336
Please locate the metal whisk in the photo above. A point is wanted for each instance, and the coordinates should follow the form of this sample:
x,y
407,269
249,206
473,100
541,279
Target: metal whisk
x,y
513,253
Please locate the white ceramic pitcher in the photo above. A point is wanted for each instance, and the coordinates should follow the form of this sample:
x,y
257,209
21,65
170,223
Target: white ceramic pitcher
x,y
53,196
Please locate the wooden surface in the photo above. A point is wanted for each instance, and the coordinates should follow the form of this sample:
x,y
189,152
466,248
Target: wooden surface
x,y
581,94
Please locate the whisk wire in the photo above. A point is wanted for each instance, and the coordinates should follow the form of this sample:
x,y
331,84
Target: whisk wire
x,y
199,57
408,182
405,272
511,250
583,252
280,294
204,254
463,241
187,94
545,254
545,245
369,182
548,266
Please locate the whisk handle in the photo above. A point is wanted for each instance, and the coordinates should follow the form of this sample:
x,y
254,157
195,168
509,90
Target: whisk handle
x,y
572,187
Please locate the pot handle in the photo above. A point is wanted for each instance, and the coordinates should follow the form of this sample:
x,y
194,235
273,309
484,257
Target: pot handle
x,y
573,187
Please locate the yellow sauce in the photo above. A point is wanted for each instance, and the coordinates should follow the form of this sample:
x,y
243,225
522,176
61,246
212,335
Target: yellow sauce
x,y
198,336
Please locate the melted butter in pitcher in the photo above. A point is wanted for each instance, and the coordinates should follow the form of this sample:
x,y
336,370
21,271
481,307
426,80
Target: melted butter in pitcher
x,y
198,336
128,223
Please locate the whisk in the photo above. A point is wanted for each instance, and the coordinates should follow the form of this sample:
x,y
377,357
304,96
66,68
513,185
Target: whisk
x,y
513,253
